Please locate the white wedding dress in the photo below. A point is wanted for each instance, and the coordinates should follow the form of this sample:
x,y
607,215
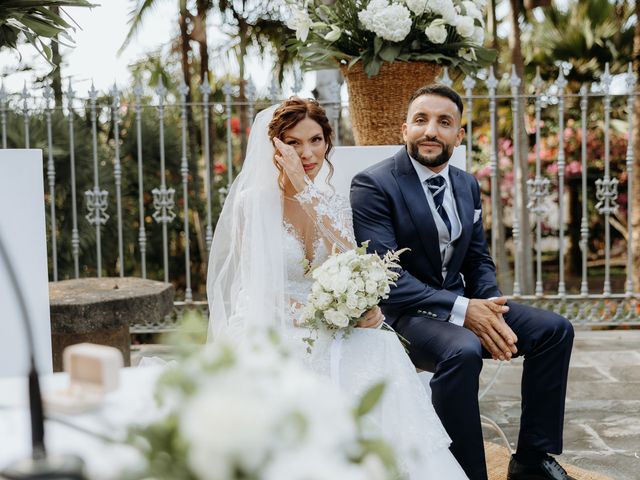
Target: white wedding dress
x,y
263,247
405,417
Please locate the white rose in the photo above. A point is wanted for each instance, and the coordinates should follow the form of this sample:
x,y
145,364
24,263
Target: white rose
x,y
390,22
468,54
417,6
464,26
323,300
339,285
333,35
445,9
379,274
472,10
316,288
352,301
436,33
325,280
478,35
300,22
336,318
371,287
362,303
308,312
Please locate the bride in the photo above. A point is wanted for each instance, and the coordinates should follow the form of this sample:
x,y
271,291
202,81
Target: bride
x,y
276,226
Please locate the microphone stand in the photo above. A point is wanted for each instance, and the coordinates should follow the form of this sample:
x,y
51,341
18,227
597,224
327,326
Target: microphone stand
x,y
39,465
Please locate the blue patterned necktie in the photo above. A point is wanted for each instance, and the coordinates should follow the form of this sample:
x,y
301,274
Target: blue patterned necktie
x,y
437,186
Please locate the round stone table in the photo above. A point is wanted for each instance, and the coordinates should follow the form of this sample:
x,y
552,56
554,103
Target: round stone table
x,y
100,310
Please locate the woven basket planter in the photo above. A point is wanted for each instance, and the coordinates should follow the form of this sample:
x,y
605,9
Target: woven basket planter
x,y
378,105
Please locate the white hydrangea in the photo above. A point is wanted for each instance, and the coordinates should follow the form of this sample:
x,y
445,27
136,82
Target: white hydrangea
x,y
417,6
300,22
445,9
472,10
436,32
478,36
390,22
248,417
464,26
247,423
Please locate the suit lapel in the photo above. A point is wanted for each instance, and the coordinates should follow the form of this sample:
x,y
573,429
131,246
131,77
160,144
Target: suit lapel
x,y
418,207
464,205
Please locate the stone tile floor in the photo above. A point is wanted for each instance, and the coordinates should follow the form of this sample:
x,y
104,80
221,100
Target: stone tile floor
x,y
602,419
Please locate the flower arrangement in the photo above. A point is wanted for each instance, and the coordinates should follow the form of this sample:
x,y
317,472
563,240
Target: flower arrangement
x,y
450,32
253,413
346,285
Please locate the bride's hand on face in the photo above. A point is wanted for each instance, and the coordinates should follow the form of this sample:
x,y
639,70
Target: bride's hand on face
x,y
371,319
289,160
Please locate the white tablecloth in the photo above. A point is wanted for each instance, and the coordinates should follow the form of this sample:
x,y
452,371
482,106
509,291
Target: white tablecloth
x,y
131,403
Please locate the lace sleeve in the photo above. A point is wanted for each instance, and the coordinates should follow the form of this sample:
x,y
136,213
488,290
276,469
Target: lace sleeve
x,y
331,214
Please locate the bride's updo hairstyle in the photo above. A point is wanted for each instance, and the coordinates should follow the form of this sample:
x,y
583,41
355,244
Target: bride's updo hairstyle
x,y
289,114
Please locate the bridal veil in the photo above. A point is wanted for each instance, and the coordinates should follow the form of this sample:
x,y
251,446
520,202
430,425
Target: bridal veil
x,y
247,273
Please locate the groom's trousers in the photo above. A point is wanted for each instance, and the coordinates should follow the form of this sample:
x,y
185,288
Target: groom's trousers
x,y
455,356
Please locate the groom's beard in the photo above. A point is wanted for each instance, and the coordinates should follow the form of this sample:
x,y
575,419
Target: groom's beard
x,y
430,162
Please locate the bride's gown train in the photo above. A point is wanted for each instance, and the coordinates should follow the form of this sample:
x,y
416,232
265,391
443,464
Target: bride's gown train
x,y
405,417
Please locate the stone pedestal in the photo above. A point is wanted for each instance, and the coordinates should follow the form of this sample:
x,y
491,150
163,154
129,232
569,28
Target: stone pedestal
x,y
100,310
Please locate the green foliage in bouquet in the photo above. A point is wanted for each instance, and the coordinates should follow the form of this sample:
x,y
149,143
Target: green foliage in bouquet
x,y
449,32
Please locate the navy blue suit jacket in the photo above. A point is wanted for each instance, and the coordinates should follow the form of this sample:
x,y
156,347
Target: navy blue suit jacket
x,y
391,211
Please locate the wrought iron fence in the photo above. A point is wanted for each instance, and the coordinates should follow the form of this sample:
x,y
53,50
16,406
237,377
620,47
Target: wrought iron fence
x,y
127,139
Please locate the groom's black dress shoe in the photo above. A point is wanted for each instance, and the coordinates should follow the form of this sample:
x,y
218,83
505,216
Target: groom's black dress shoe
x,y
546,469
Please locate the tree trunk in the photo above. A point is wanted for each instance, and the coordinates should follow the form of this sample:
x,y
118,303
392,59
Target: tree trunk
x,y
526,243
505,279
56,73
492,29
242,98
185,50
200,34
634,201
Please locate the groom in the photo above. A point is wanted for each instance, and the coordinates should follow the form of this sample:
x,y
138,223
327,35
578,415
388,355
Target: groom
x,y
447,303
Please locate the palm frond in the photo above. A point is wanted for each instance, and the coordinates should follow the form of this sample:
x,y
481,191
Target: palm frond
x,y
136,18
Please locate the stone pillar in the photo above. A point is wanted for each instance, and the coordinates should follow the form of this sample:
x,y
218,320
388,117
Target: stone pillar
x,y
100,310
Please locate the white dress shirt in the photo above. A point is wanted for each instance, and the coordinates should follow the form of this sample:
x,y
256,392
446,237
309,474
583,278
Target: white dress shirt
x,y
459,310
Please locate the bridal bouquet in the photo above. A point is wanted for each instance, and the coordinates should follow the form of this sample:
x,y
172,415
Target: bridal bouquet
x,y
252,413
346,285
450,32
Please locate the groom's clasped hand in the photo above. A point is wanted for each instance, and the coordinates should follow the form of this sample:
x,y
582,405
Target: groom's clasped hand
x,y
484,318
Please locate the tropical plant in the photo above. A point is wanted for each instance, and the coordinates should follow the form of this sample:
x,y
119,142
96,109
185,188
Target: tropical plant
x,y
588,34
37,22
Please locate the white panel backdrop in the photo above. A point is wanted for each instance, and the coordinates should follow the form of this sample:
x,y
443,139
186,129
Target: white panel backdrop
x,y
22,226
350,160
